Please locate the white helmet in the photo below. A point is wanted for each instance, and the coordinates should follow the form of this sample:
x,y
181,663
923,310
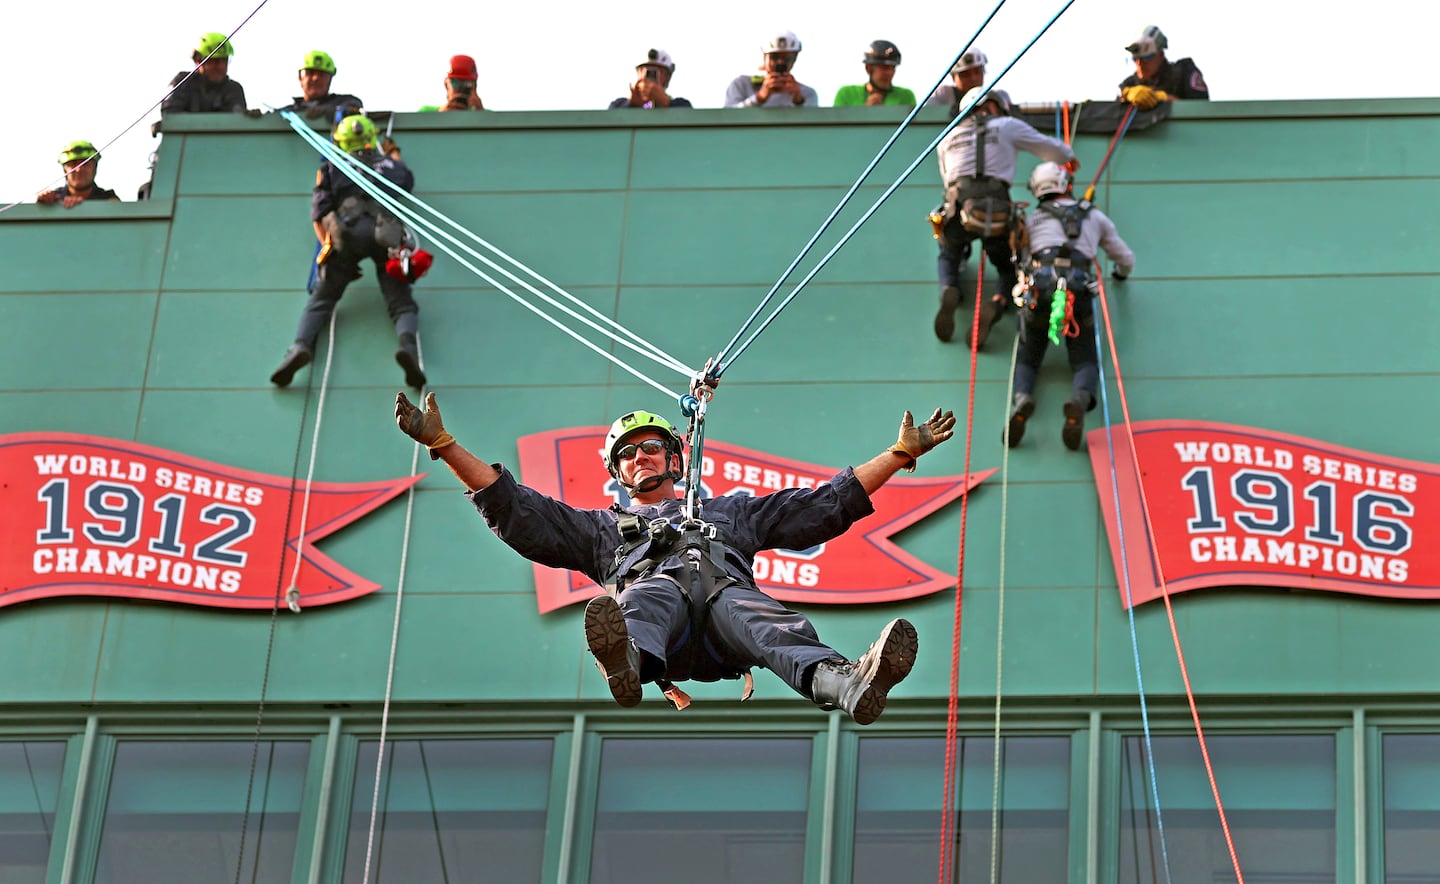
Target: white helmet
x,y
973,58
998,96
660,57
1049,179
785,41
1150,41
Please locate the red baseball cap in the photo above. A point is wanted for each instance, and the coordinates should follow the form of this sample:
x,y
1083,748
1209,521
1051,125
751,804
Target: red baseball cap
x,y
462,67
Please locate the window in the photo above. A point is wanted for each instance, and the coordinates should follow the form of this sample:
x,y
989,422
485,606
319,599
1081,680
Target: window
x,y
704,811
29,793
175,812
897,818
451,810
1279,796
1412,807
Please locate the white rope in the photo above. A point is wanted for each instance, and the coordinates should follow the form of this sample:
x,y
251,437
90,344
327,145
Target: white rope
x,y
348,165
394,643
1000,614
292,595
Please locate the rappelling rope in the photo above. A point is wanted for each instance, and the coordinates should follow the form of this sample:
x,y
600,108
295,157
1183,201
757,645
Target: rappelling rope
x,y
279,584
1110,151
844,200
1000,620
1164,587
965,112
356,172
1129,602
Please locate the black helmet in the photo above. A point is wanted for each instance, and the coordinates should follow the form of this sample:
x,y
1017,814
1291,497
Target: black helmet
x,y
882,52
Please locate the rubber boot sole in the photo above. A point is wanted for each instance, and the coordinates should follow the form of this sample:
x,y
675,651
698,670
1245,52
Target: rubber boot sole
x,y
1018,419
414,375
609,641
945,316
898,645
1073,432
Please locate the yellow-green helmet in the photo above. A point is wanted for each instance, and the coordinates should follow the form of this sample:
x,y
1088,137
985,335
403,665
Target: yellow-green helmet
x,y
214,42
315,60
356,132
78,150
633,422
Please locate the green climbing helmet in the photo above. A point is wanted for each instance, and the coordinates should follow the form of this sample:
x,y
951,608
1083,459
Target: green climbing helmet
x,y
315,60
78,150
214,42
629,424
355,133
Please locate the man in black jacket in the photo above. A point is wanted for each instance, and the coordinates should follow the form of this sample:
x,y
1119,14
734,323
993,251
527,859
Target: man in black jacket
x,y
1158,79
209,89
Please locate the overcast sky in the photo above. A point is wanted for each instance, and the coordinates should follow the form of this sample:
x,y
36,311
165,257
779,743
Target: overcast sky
x,y
89,68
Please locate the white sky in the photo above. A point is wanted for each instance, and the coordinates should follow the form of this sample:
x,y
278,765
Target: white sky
x,y
88,68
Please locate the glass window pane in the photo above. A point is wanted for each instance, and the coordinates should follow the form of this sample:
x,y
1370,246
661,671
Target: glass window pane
x,y
1412,807
451,810
897,817
29,793
175,812
1279,795
703,811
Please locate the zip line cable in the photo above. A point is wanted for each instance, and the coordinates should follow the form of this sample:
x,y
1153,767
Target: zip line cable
x,y
348,166
1129,600
825,225
1165,592
140,119
890,190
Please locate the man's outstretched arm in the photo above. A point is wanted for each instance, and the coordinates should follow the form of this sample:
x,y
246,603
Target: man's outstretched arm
x,y
426,428
913,442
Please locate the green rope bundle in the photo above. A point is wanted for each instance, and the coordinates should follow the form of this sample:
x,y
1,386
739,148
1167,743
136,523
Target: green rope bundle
x,y
1057,311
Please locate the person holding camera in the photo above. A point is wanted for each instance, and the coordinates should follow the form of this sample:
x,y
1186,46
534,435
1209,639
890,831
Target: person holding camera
x,y
653,78
460,85
776,85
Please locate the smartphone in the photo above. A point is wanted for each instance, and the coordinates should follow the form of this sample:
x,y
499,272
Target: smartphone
x,y
652,74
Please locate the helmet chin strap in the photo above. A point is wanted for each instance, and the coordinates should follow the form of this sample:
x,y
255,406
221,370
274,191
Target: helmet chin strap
x,y
645,486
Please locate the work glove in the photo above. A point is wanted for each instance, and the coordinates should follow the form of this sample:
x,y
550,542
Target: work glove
x,y
425,426
915,441
389,147
1143,97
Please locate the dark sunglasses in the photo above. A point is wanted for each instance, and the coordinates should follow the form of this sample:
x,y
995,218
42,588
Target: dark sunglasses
x,y
651,447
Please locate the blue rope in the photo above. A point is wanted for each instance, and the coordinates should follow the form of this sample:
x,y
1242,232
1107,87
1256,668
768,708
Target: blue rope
x,y
965,112
720,357
1129,601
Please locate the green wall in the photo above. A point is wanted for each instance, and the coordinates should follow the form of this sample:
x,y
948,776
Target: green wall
x,y
1285,281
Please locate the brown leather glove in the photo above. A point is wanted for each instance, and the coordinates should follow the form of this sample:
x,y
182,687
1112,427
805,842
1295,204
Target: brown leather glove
x,y
915,441
425,426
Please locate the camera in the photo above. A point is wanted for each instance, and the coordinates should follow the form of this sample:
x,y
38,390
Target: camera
x,y
781,66
652,74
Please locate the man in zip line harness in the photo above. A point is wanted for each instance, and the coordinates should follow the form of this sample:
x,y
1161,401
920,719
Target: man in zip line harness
x,y
1158,79
977,164
1064,235
684,602
352,226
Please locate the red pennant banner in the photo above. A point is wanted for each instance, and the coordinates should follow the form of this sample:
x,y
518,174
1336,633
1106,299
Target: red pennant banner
x,y
861,566
1237,506
90,516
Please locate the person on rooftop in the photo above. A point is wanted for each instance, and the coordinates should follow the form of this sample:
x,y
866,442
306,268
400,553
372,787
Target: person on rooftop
x,y
968,73
775,85
79,159
652,81
881,60
1156,78
316,101
460,87
208,89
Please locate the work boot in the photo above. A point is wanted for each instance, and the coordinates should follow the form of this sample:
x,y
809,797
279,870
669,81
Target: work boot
x,y
409,358
1073,432
945,317
616,656
296,358
860,688
1019,413
989,310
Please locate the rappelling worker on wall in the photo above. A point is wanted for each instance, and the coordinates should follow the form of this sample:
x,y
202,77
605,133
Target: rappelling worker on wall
x,y
80,160
352,226
1060,276
209,89
681,599
977,164
1156,78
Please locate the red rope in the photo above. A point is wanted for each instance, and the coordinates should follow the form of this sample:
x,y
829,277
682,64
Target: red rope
x,y
1072,328
1114,142
1164,587
1065,121
948,816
